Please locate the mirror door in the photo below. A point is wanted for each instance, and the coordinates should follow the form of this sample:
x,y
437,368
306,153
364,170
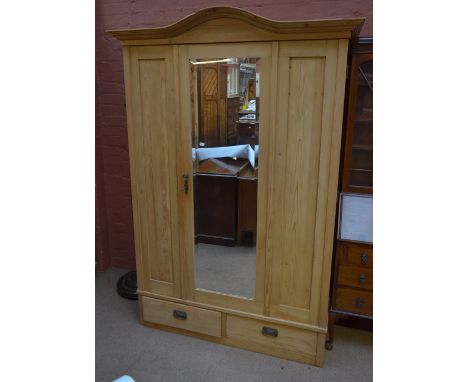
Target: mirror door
x,y
225,103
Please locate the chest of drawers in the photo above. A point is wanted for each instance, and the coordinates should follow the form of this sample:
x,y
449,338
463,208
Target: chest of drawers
x,y
353,279
351,292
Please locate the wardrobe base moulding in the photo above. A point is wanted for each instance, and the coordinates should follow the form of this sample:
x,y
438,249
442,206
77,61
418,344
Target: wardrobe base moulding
x,y
261,336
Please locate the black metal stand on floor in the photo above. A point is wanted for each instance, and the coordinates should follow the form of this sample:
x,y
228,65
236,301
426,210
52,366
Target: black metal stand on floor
x,y
127,286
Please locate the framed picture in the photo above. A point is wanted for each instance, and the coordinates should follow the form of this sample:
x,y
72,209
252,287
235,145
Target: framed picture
x,y
355,218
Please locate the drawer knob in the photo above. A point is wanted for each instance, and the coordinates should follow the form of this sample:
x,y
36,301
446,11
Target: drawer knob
x,y
180,314
359,302
269,332
185,178
364,258
362,278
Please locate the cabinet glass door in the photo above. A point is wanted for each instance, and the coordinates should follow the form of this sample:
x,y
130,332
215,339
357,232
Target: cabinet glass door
x,y
360,172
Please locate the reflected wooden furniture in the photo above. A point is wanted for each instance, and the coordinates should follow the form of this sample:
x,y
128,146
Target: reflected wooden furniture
x,y
213,102
302,91
225,201
351,283
247,206
233,105
215,186
215,183
247,132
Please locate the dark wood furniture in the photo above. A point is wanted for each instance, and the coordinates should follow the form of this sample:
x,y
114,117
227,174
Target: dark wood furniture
x,y
215,189
351,281
248,129
247,207
247,132
229,186
213,105
233,105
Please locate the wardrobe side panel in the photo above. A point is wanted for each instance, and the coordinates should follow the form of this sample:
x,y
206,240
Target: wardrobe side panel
x,y
305,113
153,166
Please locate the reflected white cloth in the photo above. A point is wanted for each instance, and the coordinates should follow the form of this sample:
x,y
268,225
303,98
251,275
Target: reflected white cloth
x,y
239,151
252,105
249,117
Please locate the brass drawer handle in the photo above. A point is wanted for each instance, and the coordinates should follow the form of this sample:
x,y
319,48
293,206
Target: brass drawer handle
x,y
185,178
180,314
362,278
364,258
269,332
359,302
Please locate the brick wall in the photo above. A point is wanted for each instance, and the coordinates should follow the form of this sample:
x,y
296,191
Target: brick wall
x,y
114,226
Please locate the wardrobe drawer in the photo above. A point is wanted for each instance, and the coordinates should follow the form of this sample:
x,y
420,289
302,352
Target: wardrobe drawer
x,y
358,277
354,301
279,340
182,316
361,256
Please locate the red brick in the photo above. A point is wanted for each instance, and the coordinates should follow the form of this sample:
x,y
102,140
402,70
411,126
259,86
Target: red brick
x,y
111,126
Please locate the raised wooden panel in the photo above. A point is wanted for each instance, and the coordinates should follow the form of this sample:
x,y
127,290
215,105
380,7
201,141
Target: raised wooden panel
x,y
153,163
298,205
302,158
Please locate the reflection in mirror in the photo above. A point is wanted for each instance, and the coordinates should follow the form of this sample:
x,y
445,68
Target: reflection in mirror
x,y
225,97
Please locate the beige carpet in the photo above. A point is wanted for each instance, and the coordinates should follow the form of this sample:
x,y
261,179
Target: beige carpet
x,y
123,346
223,269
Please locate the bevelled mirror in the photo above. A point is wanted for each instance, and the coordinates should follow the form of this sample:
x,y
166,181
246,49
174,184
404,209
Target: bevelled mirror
x,y
225,99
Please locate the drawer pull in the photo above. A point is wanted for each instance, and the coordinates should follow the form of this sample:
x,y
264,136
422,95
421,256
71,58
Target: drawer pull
x,y
364,258
359,302
185,178
269,332
362,278
180,314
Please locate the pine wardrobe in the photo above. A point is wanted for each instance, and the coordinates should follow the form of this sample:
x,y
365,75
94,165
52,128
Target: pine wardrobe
x,y
234,125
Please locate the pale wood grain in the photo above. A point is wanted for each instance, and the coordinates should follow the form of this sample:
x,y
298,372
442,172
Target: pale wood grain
x,y
289,342
230,18
334,165
198,320
268,135
241,313
302,88
151,126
